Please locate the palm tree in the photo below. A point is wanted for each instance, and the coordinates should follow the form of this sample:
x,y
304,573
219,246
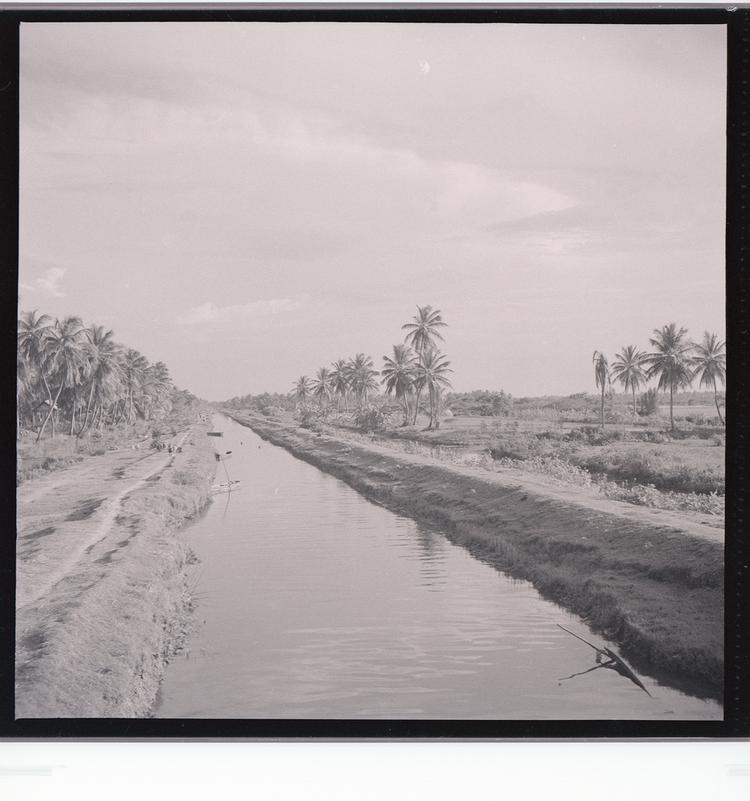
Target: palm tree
x,y
422,333
628,370
710,362
321,386
430,373
34,330
302,389
362,377
99,344
134,369
601,375
399,374
340,382
23,387
159,386
64,359
670,362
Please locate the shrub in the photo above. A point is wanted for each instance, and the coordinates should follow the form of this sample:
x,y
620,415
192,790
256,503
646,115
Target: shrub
x,y
594,436
372,418
648,402
311,420
514,446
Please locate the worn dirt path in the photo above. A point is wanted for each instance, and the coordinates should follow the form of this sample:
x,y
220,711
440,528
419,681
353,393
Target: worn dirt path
x,y
69,511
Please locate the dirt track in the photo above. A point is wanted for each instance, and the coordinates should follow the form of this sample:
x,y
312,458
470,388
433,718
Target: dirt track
x,y
100,580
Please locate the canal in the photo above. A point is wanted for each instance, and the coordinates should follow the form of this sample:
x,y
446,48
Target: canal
x,y
313,602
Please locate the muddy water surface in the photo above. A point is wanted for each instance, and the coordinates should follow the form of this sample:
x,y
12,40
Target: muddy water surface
x,y
315,603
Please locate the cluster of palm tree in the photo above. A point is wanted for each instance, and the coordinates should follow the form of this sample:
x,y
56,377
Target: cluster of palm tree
x,y
416,367
675,361
78,374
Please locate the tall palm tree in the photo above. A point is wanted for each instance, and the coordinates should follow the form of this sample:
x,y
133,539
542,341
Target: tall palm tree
x,y
431,374
63,359
321,386
134,369
628,370
710,362
110,385
34,330
601,375
362,376
23,387
422,333
160,387
302,389
340,382
670,361
399,374
99,342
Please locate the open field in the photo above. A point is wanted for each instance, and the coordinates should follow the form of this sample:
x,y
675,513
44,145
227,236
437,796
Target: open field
x,y
651,580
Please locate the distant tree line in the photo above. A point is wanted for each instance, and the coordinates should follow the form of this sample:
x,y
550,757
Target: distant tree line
x,y
415,369
76,377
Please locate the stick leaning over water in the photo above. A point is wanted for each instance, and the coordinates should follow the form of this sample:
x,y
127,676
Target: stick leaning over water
x,y
615,663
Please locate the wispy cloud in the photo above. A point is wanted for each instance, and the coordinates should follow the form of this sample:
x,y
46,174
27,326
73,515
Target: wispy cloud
x,y
47,283
210,313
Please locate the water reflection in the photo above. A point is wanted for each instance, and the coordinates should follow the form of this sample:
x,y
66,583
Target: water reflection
x,y
315,603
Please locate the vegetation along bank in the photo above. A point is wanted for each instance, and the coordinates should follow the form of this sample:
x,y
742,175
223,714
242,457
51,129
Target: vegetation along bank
x,y
655,589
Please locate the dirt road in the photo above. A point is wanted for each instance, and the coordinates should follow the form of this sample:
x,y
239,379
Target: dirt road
x,y
100,577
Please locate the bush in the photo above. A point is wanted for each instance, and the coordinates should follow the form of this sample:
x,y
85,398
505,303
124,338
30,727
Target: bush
x,y
372,418
648,402
310,418
594,436
520,446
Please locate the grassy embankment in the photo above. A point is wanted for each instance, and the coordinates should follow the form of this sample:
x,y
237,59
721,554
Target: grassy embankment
x,y
96,644
655,590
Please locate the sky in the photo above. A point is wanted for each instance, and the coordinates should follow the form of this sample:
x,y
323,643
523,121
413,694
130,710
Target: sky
x,y
248,202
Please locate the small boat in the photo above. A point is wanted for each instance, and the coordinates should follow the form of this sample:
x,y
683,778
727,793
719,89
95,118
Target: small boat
x,y
215,433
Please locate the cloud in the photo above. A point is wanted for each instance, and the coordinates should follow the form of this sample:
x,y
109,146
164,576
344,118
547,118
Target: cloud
x,y
48,282
210,313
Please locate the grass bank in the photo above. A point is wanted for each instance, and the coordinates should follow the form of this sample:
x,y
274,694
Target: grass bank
x,y
96,643
654,589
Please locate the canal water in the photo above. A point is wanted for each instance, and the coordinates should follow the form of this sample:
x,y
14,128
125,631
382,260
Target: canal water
x,y
313,602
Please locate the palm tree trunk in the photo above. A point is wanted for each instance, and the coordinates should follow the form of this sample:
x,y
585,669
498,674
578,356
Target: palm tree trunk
x,y
49,415
634,412
72,415
671,401
716,401
88,409
416,405
602,407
